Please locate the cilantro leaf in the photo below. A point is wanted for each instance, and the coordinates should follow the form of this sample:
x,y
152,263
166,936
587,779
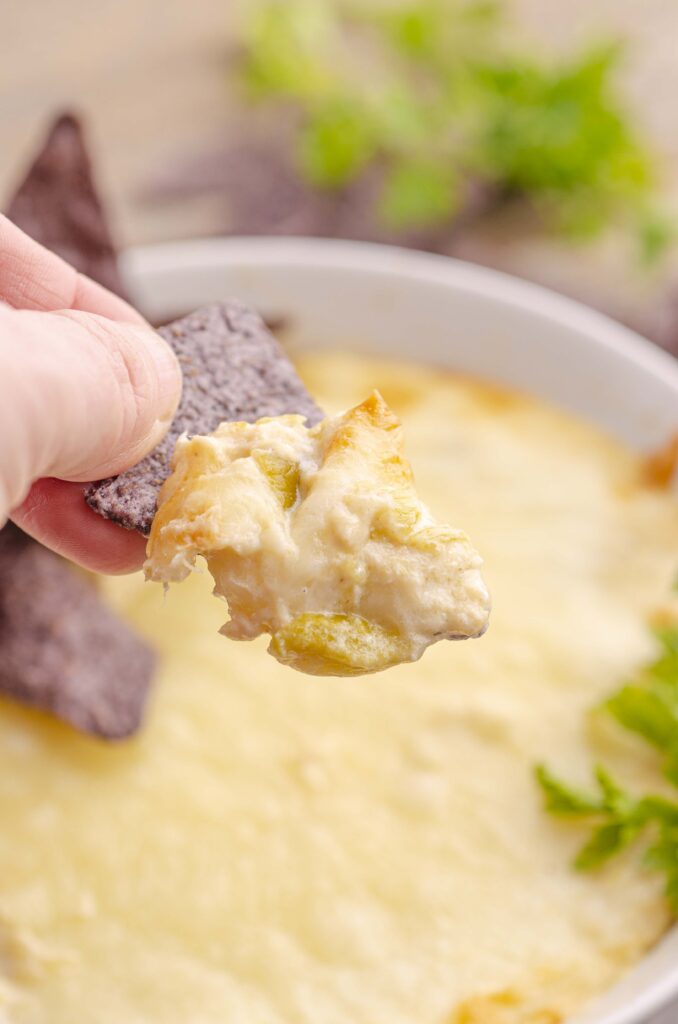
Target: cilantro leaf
x,y
663,856
430,95
605,842
671,767
656,233
564,800
666,665
648,707
647,713
418,193
618,818
612,794
338,141
283,43
659,809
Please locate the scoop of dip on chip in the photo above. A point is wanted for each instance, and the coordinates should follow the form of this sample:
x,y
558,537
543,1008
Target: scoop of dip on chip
x,y
317,536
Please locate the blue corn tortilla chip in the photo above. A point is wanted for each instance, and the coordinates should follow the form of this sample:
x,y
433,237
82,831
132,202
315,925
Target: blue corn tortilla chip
x,y
58,205
233,369
61,649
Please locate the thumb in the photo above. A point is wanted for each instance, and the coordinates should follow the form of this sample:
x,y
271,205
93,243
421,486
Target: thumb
x,y
82,397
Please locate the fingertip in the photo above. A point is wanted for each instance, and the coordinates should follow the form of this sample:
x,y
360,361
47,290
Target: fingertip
x,y
134,388
55,513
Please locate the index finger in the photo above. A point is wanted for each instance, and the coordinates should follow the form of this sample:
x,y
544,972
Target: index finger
x,y
32,277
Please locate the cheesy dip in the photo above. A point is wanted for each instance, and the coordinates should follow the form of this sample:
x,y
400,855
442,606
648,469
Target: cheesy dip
x,y
275,849
317,536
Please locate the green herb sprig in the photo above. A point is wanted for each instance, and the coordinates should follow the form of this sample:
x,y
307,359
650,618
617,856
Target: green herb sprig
x,y
648,707
432,95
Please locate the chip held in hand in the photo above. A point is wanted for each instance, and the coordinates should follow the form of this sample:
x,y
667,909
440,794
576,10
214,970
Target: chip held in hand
x,y
233,369
316,535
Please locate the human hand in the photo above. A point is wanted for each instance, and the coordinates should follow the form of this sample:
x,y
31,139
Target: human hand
x,y
86,390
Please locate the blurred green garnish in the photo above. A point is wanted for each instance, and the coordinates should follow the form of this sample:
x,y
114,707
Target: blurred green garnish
x,y
431,94
648,707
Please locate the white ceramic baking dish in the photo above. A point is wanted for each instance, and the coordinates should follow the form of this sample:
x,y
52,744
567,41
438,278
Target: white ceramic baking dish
x,y
452,314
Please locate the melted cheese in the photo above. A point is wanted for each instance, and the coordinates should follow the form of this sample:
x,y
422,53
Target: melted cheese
x,y
317,536
274,850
